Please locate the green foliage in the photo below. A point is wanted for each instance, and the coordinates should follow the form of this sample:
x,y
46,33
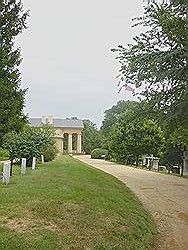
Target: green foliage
x,y
12,23
134,139
91,137
113,114
157,62
49,153
4,154
172,155
175,122
12,143
31,142
180,136
132,132
99,153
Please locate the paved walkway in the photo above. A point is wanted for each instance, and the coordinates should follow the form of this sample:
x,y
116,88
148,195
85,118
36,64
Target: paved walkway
x,y
166,197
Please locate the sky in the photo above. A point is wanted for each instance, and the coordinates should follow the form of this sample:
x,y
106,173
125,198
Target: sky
x,y
67,64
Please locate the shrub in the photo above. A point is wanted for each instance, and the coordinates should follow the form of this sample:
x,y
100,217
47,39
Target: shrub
x,y
99,153
50,153
4,154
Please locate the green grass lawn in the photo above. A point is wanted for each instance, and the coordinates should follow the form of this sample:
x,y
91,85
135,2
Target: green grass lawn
x,y
66,204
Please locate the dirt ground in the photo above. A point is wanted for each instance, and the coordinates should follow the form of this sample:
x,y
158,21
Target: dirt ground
x,y
165,197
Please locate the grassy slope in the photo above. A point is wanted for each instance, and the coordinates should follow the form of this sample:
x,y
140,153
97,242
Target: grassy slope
x,y
69,205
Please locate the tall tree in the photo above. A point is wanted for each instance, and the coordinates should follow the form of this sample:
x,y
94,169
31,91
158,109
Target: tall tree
x,y
112,115
91,137
12,23
135,138
157,61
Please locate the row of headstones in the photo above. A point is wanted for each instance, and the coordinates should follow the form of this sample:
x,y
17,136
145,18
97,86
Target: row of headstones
x,y
6,168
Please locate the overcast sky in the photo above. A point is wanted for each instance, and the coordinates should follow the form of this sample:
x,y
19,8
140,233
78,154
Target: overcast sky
x,y
68,67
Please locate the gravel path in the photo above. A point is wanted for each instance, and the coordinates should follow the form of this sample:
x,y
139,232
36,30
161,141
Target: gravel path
x,y
166,197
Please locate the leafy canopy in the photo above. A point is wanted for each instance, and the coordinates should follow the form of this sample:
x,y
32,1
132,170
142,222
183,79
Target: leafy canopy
x,y
134,139
157,61
31,142
112,115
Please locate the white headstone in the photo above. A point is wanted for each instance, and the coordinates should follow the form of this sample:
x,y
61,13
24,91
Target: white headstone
x,y
23,166
185,162
155,163
33,163
148,162
181,170
6,172
42,159
144,160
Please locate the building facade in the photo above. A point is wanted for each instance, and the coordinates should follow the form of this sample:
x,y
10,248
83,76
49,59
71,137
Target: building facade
x,y
64,128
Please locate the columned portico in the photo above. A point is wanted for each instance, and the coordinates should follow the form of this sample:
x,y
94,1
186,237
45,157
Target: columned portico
x,y
78,143
67,132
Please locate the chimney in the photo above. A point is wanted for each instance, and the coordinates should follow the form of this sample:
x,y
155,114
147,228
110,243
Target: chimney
x,y
43,120
50,119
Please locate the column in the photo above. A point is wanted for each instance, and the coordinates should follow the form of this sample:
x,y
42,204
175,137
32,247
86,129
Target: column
x,y
70,143
79,144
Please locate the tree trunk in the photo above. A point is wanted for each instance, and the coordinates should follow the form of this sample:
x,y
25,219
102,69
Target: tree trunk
x,y
182,168
137,160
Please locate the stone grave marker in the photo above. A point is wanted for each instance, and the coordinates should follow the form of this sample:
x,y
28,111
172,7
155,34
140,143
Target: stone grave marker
x,y
6,172
23,166
34,163
42,159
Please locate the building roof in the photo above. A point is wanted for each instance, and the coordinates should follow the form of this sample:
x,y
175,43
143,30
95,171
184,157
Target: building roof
x,y
58,123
